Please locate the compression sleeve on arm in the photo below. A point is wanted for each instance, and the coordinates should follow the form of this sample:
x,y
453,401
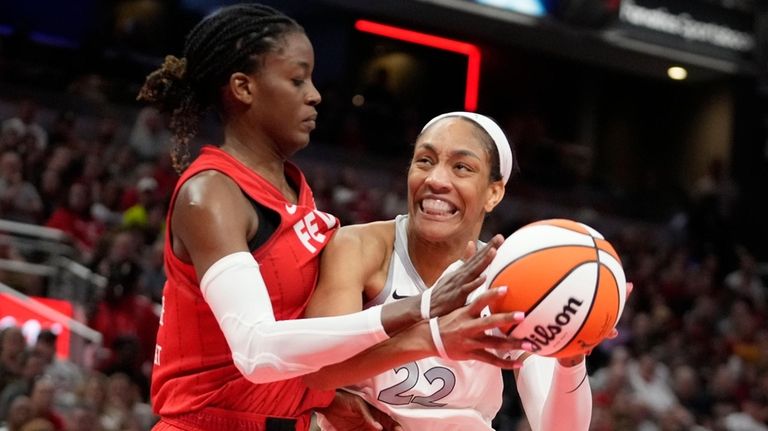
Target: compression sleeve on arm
x,y
555,397
266,350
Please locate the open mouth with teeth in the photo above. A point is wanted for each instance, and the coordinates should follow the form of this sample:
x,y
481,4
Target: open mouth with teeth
x,y
437,207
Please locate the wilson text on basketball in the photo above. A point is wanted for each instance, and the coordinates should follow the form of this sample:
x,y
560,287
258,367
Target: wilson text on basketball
x,y
543,335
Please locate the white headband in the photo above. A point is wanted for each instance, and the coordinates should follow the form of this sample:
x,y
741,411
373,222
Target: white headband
x,y
493,129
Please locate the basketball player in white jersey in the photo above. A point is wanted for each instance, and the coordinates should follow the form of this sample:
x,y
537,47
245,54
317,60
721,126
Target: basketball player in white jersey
x,y
460,166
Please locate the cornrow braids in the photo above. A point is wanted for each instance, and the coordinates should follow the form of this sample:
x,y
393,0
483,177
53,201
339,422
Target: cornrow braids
x,y
233,39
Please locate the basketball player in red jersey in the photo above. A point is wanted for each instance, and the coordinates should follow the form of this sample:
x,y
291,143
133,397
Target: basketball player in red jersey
x,y
243,241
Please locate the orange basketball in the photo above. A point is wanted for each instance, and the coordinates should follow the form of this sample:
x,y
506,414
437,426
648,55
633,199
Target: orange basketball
x,y
568,281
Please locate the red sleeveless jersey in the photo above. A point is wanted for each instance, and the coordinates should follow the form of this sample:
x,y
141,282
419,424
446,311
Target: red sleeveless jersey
x,y
193,369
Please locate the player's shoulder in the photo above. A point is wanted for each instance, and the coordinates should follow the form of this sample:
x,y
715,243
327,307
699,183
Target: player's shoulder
x,y
207,187
209,199
374,232
370,239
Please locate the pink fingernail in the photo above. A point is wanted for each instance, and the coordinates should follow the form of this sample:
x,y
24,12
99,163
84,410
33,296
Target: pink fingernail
x,y
527,346
518,315
502,290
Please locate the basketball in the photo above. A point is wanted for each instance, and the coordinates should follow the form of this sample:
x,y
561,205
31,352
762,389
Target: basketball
x,y
567,279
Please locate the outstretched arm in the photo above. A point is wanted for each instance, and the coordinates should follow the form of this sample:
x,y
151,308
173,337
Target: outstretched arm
x,y
211,220
463,333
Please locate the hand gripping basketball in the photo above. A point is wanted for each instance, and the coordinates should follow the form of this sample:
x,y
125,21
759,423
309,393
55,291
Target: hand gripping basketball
x,y
464,332
452,290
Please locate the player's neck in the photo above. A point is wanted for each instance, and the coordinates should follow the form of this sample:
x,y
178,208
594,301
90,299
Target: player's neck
x,y
262,159
431,259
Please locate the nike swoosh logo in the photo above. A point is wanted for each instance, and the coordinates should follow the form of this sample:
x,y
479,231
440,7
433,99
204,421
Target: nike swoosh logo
x,y
290,208
396,296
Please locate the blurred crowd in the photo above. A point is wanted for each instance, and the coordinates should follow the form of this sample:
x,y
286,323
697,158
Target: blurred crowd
x,y
692,353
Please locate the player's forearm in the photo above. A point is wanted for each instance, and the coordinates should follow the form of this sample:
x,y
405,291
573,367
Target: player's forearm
x,y
569,402
409,345
266,350
395,316
399,315
554,396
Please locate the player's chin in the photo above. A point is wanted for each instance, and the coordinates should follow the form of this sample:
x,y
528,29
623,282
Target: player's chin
x,y
298,142
437,230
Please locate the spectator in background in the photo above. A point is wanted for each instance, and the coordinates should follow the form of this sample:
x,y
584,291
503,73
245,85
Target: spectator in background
x,y
127,322
93,395
92,169
123,163
131,182
90,87
649,380
109,134
106,205
19,413
83,418
41,397
347,197
394,201
149,137
153,275
126,359
66,375
62,161
51,189
690,393
39,424
74,218
752,417
125,408
24,124
165,175
121,245
9,141
746,282
146,215
611,380
63,129
33,368
19,200
12,350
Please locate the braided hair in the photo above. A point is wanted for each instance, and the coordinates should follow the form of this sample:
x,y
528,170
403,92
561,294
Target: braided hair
x,y
233,39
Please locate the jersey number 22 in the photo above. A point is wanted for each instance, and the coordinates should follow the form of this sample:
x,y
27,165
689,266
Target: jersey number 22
x,y
394,394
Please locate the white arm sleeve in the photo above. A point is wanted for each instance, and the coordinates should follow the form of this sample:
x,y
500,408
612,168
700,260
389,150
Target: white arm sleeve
x,y
555,397
265,350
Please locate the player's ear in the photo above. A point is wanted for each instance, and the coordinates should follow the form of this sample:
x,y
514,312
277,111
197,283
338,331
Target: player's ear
x,y
242,87
495,195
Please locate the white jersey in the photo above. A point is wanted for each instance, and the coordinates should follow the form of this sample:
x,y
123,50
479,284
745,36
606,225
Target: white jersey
x,y
432,393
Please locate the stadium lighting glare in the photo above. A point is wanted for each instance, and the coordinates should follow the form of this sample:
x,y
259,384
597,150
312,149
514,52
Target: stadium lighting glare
x,y
677,73
471,51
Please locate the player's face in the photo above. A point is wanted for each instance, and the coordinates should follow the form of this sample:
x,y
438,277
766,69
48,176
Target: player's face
x,y
285,97
449,186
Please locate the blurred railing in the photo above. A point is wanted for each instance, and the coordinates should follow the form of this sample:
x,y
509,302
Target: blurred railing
x,y
49,254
